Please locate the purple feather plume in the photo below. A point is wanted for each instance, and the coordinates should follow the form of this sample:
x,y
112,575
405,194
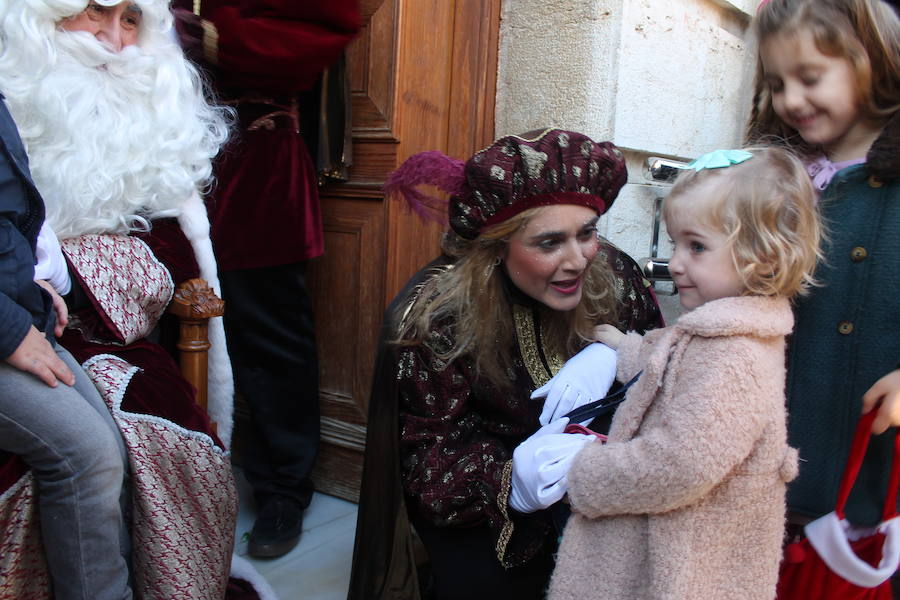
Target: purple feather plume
x,y
432,168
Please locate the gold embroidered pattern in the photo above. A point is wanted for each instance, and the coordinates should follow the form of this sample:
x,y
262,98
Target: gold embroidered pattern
x,y
531,344
131,286
554,356
503,503
527,337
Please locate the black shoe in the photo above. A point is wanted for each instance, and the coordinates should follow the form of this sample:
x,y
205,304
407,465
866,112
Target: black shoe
x,y
277,528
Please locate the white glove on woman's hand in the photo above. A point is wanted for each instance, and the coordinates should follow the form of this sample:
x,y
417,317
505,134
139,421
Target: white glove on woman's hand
x,y
585,377
540,466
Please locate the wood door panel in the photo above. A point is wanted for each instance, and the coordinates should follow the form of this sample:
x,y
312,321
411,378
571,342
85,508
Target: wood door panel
x,y
346,286
370,61
338,469
422,77
372,160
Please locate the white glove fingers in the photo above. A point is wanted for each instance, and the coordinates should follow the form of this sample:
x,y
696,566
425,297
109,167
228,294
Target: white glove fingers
x,y
553,493
549,411
555,405
568,401
542,391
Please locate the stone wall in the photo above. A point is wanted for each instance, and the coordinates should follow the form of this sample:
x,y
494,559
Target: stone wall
x,y
670,78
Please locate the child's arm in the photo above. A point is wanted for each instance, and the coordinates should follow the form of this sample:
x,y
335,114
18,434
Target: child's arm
x,y
886,389
707,422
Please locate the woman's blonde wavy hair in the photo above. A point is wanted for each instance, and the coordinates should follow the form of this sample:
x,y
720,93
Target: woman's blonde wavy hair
x,y
766,207
865,32
470,296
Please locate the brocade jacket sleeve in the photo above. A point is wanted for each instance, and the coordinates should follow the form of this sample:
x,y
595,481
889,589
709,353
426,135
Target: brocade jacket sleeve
x,y
638,309
457,435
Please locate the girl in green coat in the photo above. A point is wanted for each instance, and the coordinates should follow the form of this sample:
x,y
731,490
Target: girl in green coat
x,y
828,85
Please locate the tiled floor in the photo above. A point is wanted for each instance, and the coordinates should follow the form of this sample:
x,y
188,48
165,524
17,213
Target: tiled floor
x,y
319,567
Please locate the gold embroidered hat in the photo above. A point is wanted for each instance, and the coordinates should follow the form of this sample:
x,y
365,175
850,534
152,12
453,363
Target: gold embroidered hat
x,y
516,173
513,174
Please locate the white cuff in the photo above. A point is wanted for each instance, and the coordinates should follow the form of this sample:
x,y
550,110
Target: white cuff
x,y
829,536
51,265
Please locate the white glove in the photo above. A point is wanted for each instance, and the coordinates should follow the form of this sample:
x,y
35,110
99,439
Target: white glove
x,y
541,464
585,377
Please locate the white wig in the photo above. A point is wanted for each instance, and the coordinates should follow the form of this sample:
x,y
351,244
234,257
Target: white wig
x,y
114,138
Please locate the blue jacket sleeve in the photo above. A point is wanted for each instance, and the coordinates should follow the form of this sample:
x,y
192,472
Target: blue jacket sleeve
x,y
14,325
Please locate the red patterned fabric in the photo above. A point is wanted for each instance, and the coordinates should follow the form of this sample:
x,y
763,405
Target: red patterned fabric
x,y
184,498
184,502
127,285
23,569
183,516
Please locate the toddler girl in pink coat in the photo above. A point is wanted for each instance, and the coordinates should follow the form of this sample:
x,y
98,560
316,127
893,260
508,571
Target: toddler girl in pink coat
x,y
686,499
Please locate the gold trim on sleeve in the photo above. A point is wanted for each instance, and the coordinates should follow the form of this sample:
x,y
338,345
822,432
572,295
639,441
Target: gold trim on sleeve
x,y
530,345
527,337
503,504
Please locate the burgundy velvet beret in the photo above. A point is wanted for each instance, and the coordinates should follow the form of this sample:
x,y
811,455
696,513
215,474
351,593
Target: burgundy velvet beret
x,y
513,174
519,172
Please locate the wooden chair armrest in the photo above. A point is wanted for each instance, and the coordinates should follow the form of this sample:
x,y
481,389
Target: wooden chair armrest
x,y
193,304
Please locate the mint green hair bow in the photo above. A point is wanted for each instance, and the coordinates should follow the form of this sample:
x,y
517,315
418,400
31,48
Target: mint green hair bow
x,y
718,159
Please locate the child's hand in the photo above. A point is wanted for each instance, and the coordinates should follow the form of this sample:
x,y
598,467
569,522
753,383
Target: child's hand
x,y
609,335
35,355
886,389
62,311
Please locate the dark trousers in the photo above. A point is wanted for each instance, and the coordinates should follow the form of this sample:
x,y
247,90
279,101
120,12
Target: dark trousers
x,y
464,566
271,340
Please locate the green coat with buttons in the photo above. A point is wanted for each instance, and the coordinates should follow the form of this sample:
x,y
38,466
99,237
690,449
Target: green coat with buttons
x,y
847,336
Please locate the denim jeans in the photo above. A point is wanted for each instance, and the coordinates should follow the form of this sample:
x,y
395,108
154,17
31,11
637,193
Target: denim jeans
x,y
77,457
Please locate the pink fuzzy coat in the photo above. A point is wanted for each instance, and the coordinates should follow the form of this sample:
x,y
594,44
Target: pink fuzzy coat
x,y
686,500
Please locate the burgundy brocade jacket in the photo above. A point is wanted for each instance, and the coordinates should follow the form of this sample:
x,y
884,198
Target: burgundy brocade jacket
x,y
454,435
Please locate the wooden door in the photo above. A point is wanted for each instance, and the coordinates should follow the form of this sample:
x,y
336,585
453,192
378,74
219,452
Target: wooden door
x,y
423,77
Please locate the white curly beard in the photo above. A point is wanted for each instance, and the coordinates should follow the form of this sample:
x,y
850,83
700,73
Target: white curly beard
x,y
115,139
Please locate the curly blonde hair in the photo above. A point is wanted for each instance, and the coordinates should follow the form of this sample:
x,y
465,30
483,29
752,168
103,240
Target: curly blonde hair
x,y
470,297
766,207
865,32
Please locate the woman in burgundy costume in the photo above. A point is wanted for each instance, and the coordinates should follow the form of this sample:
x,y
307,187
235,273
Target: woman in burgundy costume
x,y
523,278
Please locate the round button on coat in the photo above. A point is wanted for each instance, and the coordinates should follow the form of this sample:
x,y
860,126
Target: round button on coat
x,y
845,328
858,254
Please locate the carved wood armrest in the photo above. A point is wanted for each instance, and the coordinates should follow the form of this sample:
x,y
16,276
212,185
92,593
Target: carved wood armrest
x,y
193,304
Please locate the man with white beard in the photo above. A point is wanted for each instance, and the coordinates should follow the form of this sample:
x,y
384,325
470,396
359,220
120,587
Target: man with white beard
x,y
119,139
